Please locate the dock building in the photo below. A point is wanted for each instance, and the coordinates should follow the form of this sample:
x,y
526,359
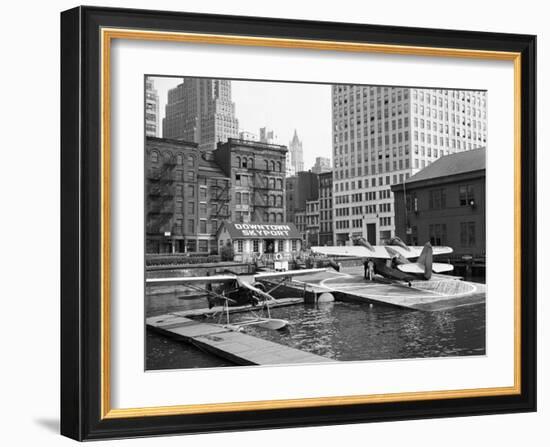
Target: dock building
x,y
445,204
264,242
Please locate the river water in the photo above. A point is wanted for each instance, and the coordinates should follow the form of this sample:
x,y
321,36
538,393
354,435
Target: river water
x,y
338,330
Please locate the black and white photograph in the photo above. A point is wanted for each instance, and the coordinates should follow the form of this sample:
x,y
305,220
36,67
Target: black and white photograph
x,y
296,223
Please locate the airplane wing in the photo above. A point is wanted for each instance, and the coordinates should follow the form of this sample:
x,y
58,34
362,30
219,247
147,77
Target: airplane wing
x,y
378,251
271,275
414,251
414,267
192,279
357,251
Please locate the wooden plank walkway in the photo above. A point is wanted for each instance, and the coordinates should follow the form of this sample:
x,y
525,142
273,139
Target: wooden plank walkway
x,y
205,312
237,347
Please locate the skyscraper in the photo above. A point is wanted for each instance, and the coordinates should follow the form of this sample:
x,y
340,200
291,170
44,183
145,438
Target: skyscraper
x,y
268,136
296,153
151,109
322,164
201,111
383,135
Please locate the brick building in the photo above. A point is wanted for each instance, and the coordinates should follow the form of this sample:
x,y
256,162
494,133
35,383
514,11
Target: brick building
x,y
257,173
187,197
445,204
300,188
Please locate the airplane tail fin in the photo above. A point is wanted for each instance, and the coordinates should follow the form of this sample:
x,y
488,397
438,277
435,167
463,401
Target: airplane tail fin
x,y
363,242
426,259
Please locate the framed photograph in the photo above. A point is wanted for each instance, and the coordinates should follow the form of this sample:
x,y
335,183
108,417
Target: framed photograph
x,y
275,223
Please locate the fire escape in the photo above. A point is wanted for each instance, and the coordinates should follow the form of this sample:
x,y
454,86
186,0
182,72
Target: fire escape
x,y
260,200
221,199
160,195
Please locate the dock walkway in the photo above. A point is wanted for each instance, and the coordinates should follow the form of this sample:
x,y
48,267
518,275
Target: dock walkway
x,y
439,293
205,312
236,347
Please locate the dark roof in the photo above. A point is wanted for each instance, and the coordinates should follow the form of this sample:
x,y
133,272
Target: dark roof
x,y
453,164
171,141
261,230
207,166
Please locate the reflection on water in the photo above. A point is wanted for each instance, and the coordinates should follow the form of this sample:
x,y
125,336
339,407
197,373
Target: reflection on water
x,y
166,353
342,331
346,331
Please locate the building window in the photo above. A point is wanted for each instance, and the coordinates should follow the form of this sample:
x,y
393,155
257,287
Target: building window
x,y
437,199
467,234
191,226
412,202
294,245
438,234
154,156
202,192
256,246
280,246
202,226
466,195
203,246
239,246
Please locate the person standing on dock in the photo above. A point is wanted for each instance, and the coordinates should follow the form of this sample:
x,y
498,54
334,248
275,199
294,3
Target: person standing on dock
x,y
369,269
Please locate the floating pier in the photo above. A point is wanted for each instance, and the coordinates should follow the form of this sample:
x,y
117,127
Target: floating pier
x,y
205,312
441,292
231,345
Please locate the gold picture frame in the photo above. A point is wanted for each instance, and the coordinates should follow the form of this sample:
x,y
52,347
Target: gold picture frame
x,y
109,26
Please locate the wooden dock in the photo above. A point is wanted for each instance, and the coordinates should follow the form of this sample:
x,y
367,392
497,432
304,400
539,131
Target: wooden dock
x,y
205,312
231,345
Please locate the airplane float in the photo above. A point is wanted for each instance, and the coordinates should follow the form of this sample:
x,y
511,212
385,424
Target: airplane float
x,y
392,260
239,290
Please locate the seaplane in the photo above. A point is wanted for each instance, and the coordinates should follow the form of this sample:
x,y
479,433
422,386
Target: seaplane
x,y
245,291
393,260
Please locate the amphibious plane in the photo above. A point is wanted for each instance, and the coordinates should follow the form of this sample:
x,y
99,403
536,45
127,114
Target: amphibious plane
x,y
392,260
239,290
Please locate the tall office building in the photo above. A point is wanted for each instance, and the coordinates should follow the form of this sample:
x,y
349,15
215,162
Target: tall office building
x,y
382,136
248,136
296,153
151,109
173,121
322,164
201,110
268,136
326,235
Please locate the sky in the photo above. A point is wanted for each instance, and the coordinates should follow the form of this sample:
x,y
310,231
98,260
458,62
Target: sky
x,y
280,106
